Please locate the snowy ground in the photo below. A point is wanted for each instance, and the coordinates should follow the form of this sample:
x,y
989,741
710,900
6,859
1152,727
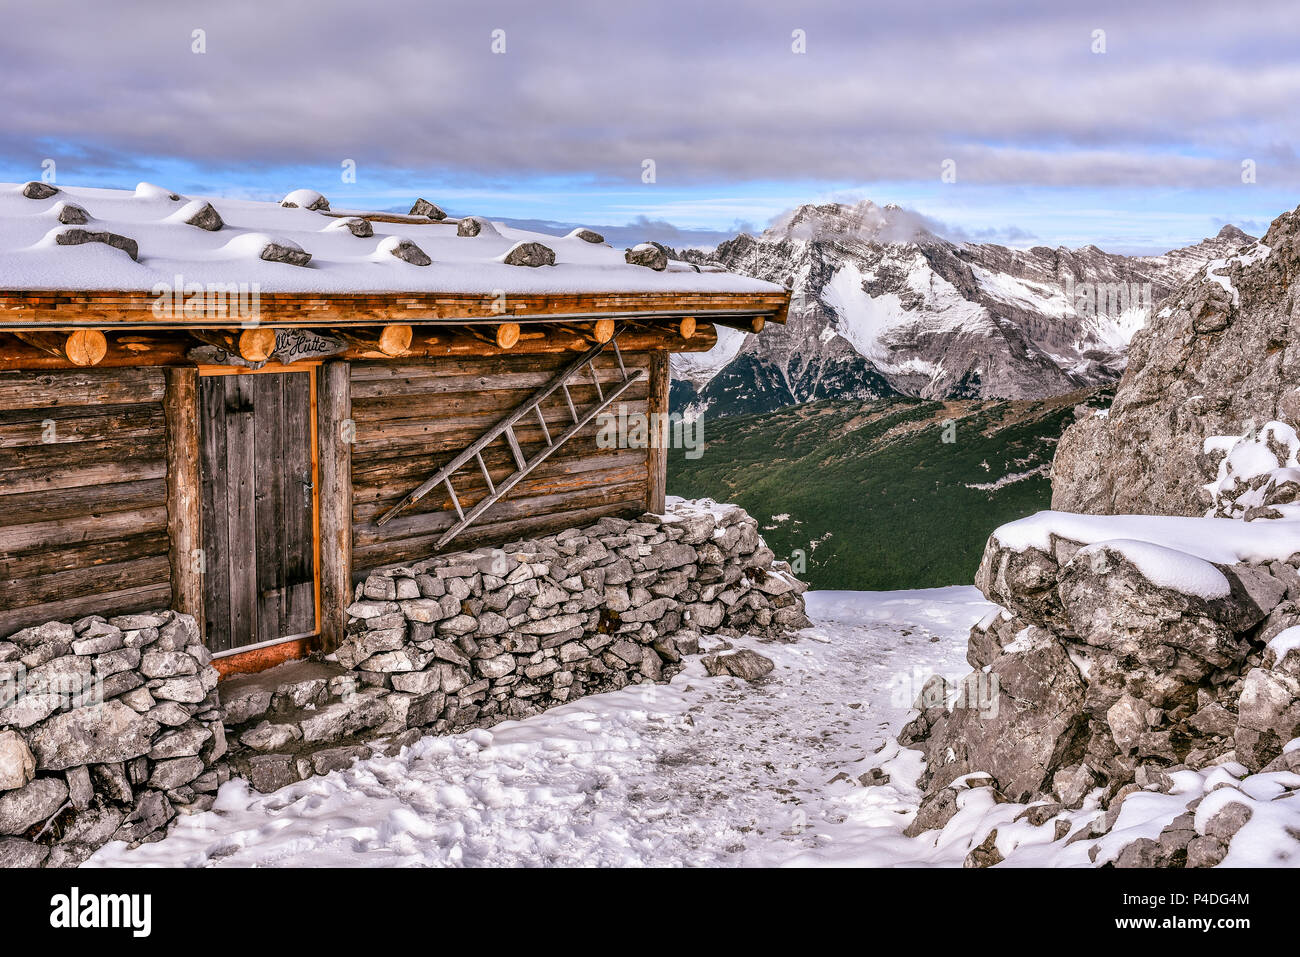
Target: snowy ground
x,y
701,771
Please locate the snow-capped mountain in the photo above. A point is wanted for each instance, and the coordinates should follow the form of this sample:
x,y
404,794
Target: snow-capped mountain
x,y
882,306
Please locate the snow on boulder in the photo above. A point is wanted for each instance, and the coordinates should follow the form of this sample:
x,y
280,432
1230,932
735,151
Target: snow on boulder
x,y
528,254
78,237
650,255
1165,567
356,225
306,199
272,249
198,213
70,214
405,250
35,190
476,226
148,191
422,207
586,235
1258,474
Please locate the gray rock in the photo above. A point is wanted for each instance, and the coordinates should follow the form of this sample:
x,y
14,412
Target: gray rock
x,y
408,252
175,772
1021,733
15,852
496,667
283,251
422,207
587,235
167,664
206,217
184,742
17,765
79,237
361,228
80,789
38,190
102,734
648,255
529,254
32,804
188,690
470,226
1268,716
744,663
245,705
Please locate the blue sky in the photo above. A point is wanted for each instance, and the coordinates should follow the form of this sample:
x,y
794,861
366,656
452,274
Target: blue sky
x,y
1136,147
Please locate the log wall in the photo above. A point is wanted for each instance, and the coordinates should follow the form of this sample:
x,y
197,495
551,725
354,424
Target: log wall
x,y
411,418
83,495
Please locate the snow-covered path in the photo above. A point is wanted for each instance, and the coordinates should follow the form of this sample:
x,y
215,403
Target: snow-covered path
x,y
701,771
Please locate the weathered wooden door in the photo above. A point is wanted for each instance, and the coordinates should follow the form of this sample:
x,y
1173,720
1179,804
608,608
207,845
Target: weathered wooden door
x,y
258,508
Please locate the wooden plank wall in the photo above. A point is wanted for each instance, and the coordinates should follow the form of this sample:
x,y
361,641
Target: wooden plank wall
x,y
412,418
83,495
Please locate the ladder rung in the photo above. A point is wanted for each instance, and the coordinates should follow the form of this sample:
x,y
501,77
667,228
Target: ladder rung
x,y
542,419
619,356
511,481
517,452
505,427
486,477
454,500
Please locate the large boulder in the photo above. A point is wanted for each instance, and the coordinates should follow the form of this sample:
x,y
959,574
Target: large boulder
x,y
1017,722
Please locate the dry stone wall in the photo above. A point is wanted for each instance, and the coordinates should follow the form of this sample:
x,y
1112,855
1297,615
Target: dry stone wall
x,y
107,728
482,636
111,727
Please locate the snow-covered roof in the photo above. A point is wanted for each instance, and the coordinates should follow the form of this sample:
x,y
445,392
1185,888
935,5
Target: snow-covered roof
x,y
40,249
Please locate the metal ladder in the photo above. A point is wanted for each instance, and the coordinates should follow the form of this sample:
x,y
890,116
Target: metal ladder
x,y
506,427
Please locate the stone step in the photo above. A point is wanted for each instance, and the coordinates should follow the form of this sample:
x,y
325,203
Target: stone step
x,y
288,687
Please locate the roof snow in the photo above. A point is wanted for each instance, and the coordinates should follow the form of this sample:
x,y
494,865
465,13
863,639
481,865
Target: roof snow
x,y
31,258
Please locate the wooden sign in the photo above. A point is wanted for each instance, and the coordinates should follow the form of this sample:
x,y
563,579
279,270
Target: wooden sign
x,y
291,345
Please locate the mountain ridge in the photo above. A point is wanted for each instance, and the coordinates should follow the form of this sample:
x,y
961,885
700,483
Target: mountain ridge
x,y
883,306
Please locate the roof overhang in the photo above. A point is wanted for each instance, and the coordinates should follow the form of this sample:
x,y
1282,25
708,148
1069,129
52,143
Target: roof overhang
x,y
114,309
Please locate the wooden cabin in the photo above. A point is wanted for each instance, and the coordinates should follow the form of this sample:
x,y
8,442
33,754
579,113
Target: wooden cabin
x,y
236,409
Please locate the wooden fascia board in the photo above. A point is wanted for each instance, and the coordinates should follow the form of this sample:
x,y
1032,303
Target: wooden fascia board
x,y
28,310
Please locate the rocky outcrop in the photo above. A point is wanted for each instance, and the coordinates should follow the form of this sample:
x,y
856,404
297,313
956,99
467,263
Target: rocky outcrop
x,y
108,728
1104,674
1220,358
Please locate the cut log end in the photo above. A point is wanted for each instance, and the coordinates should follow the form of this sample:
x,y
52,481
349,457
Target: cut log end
x,y
394,339
686,328
507,335
757,323
86,347
603,330
257,345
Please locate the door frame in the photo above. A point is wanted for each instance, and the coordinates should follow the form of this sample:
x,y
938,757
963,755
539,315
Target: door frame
x,y
266,654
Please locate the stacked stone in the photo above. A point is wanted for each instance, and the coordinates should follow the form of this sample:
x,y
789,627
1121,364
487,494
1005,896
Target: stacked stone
x,y
107,726
477,637
1095,680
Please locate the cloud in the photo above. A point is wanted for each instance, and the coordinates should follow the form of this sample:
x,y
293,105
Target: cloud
x,y
711,92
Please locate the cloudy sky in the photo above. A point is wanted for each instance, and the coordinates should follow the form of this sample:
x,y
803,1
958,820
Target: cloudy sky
x,y
1045,138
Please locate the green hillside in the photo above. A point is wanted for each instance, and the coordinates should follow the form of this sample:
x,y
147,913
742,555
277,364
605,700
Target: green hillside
x,y
870,493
